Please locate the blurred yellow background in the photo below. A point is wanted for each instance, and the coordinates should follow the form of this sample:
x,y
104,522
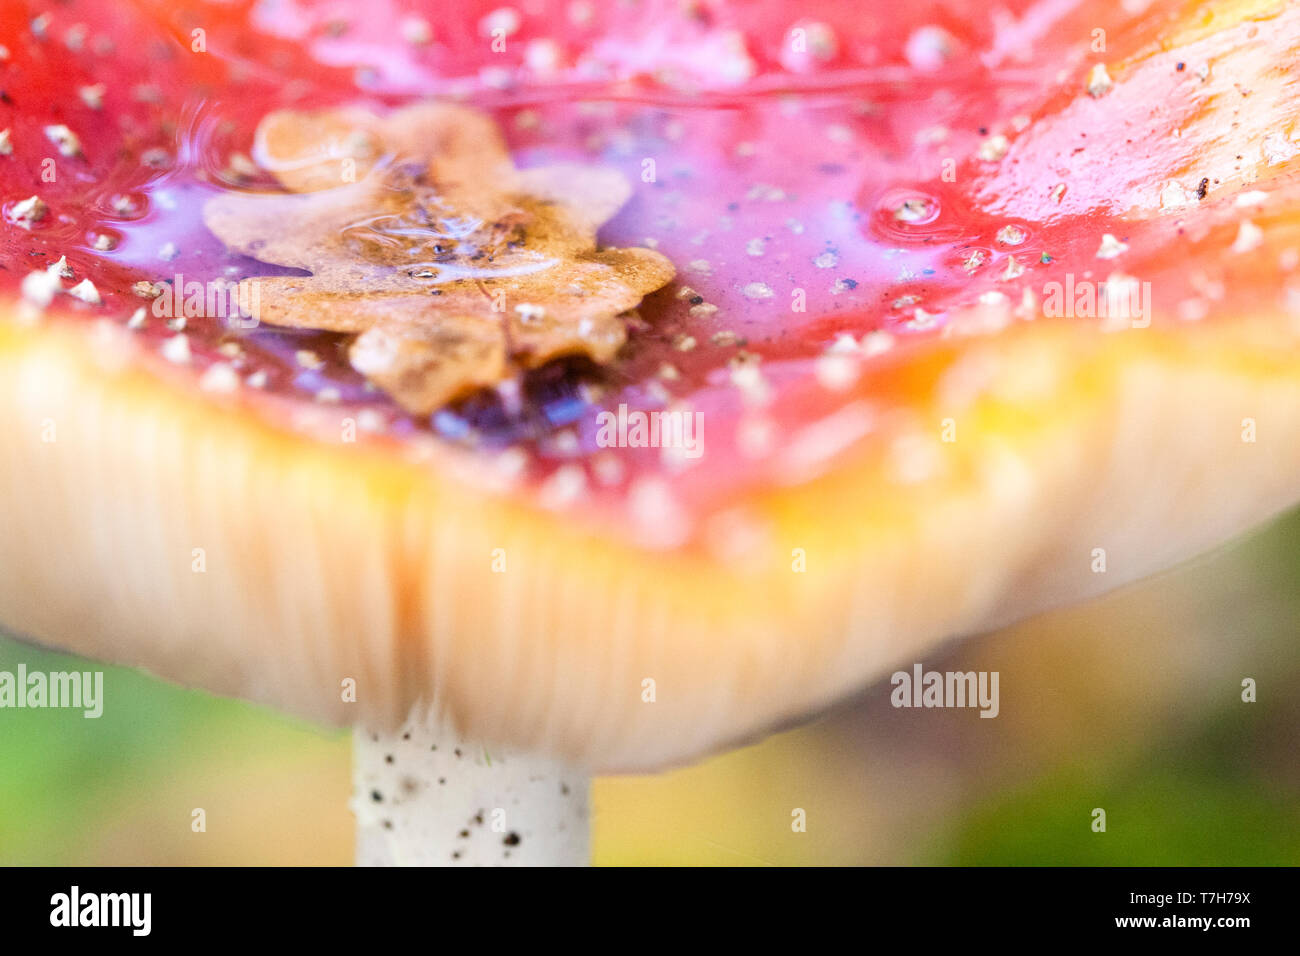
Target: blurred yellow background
x,y
1131,703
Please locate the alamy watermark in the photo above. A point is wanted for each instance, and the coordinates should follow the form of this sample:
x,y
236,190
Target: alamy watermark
x,y
657,429
1118,299
76,690
922,688
133,911
235,302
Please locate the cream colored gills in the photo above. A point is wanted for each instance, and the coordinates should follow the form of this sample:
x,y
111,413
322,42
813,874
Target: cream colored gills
x,y
323,566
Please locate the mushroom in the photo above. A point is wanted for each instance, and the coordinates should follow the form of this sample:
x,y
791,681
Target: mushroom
x,y
320,577
499,623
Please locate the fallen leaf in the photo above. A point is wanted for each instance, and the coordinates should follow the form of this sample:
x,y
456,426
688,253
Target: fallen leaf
x,y
452,269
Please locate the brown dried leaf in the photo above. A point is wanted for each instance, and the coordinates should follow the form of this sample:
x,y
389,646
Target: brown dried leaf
x,y
452,268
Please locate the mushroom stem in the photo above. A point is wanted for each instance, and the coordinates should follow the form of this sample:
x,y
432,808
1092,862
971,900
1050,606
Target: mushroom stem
x,y
425,797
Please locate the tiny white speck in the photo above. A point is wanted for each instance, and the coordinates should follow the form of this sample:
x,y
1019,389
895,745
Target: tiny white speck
x,y
994,148
1172,195
1099,81
1249,238
1111,247
929,48
416,31
75,38
371,420
92,96
608,469
565,443
912,210
40,287
220,378
543,56
836,371
755,437
877,343
503,20
747,376
921,319
85,291
64,139
656,512
765,192
564,487
177,349
1011,235
29,210
1278,149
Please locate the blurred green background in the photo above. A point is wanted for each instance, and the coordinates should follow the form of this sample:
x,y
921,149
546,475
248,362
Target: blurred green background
x,y
1131,703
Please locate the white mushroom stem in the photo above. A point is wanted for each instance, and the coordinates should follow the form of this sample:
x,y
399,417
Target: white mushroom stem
x,y
425,797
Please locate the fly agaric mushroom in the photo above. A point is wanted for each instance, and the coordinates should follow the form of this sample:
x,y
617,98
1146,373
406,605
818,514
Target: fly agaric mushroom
x,y
963,349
